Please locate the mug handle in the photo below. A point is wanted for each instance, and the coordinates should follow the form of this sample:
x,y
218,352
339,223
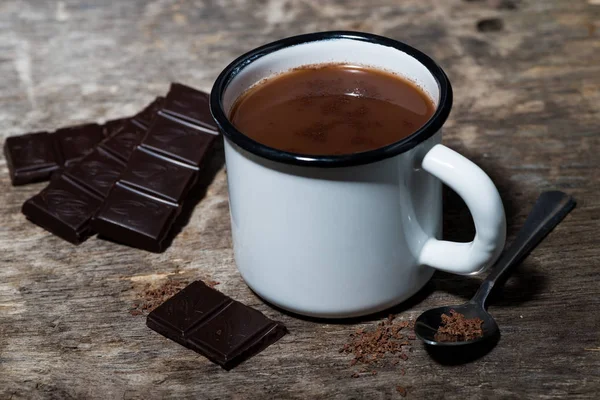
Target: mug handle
x,y
483,200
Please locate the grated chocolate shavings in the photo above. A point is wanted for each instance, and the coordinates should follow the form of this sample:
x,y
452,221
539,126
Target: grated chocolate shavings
x,y
401,390
371,347
457,328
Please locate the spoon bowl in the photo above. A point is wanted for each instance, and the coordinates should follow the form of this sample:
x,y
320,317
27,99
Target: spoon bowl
x,y
550,208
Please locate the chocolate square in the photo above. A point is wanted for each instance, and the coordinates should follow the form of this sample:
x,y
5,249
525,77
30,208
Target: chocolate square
x,y
97,171
178,141
140,219
77,141
63,208
31,157
190,105
124,141
190,307
224,336
158,175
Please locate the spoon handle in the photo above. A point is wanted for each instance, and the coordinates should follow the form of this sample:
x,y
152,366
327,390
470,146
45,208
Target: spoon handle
x,y
549,209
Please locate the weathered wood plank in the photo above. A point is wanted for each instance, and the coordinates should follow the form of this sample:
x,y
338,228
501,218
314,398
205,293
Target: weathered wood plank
x,y
527,106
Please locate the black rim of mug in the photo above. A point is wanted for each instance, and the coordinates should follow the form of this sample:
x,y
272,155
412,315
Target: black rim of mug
x,y
234,135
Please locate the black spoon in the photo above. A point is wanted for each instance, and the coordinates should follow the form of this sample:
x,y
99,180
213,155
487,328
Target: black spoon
x,y
548,211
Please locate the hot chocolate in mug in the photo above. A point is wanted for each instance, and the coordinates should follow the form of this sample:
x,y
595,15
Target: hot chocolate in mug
x,y
348,235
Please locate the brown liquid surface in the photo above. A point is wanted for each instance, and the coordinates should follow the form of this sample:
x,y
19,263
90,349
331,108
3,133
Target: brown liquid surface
x,y
331,109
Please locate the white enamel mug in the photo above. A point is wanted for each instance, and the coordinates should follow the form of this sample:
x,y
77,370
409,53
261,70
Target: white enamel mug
x,y
349,235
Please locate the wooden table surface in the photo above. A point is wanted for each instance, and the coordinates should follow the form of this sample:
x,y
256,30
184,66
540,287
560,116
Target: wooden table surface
x,y
526,76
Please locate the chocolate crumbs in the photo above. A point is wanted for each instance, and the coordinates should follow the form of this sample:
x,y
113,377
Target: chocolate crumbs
x,y
401,390
385,344
457,328
371,347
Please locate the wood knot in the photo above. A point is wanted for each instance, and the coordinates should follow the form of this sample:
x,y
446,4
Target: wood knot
x,y
490,25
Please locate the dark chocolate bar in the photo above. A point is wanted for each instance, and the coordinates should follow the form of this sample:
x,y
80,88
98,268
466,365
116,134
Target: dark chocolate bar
x,y
142,207
93,175
205,320
34,157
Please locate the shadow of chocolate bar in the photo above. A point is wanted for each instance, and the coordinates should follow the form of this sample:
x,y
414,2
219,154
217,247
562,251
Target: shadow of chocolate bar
x,y
142,207
66,206
205,320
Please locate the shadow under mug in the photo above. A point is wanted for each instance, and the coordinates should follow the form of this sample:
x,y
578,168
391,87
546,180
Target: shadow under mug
x,y
349,235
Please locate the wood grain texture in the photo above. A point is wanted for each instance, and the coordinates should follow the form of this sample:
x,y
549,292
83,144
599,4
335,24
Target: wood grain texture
x,y
527,110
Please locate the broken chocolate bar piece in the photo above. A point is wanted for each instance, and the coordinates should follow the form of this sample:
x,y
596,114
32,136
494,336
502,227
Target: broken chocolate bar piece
x,y
205,320
86,183
34,157
142,207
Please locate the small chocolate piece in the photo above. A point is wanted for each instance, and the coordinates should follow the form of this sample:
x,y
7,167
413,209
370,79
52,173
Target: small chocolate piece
x,y
205,320
83,186
157,179
32,157
190,105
